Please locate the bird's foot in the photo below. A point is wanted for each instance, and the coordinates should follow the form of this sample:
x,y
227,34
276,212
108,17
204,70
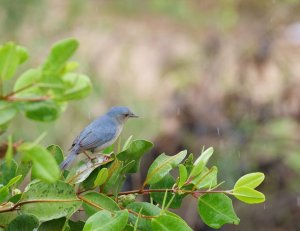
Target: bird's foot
x,y
88,156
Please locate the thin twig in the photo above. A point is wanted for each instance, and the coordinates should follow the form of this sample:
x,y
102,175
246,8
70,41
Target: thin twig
x,y
138,214
36,99
147,191
19,90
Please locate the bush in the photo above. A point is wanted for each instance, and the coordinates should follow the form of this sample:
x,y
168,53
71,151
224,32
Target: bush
x,y
95,186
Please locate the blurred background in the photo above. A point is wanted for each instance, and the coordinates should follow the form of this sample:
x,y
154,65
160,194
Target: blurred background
x,y
222,73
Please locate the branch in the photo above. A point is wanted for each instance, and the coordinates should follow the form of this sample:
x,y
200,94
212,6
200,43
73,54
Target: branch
x,y
15,207
4,146
36,99
138,214
101,208
147,191
19,90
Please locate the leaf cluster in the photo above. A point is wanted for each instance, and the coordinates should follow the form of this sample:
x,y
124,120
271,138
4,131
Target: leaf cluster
x,y
94,187
41,93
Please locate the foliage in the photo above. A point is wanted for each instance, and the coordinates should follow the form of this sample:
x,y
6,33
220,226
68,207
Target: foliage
x,y
94,186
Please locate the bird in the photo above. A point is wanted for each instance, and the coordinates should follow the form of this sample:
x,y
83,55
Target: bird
x,y
99,134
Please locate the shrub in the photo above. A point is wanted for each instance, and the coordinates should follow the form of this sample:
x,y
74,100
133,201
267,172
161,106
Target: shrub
x,y
95,186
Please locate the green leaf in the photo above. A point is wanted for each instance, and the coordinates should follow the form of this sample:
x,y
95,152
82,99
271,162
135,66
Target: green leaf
x,y
57,200
162,165
13,181
169,223
128,167
8,171
70,66
56,152
75,225
108,221
201,161
128,228
7,217
77,86
44,165
53,225
44,111
16,198
189,163
4,193
23,54
127,143
124,200
166,183
9,60
143,208
182,175
115,177
101,177
7,112
23,170
135,151
251,180
207,178
23,223
99,200
28,82
9,152
216,210
248,195
59,55
84,168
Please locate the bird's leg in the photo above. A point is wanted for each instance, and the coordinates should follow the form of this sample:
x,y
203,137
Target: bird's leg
x,y
87,155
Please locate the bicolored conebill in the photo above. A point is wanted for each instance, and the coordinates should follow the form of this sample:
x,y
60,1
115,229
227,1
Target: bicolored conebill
x,y
99,134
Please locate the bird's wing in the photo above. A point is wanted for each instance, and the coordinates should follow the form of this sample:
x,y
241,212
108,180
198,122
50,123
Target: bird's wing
x,y
98,136
74,142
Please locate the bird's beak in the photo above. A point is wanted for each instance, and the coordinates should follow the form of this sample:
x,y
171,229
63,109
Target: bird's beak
x,y
133,116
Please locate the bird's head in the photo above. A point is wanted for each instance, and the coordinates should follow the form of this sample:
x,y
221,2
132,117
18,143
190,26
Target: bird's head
x,y
121,114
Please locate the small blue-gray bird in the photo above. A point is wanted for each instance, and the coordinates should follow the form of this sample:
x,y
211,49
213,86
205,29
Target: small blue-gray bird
x,y
99,134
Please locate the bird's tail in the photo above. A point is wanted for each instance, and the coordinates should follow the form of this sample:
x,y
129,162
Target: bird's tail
x,y
68,161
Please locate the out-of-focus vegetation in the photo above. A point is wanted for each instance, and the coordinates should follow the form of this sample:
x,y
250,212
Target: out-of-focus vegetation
x,y
200,72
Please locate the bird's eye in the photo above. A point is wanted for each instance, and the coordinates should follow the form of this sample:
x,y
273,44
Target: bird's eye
x,y
126,115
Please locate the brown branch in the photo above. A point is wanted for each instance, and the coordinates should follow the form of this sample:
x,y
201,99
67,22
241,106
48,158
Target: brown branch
x,y
195,193
147,191
19,90
4,146
99,207
138,214
16,206
90,203
36,99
